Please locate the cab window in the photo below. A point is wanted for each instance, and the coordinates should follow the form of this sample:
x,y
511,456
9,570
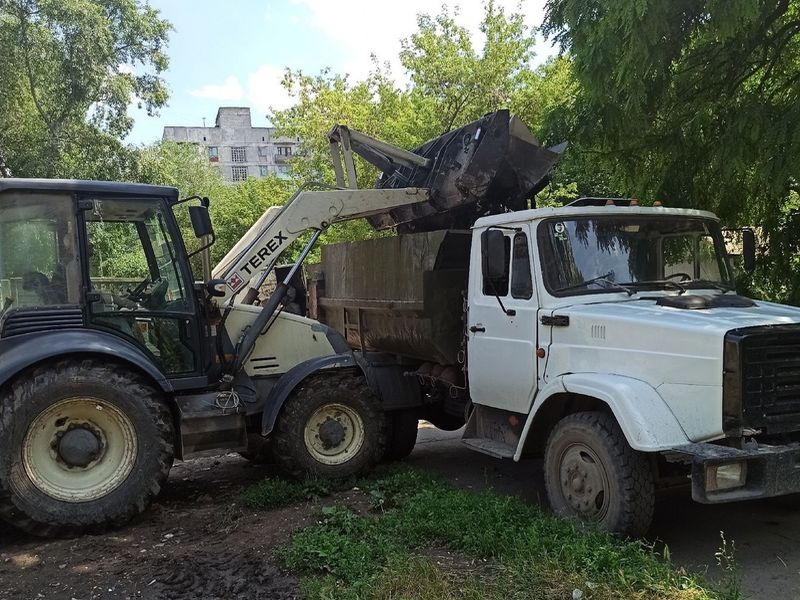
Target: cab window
x,y
138,288
39,264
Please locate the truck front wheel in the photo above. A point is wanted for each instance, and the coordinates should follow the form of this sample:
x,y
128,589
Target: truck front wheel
x,y
331,427
84,445
591,473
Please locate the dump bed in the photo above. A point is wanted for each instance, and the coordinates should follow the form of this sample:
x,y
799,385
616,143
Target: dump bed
x,y
401,294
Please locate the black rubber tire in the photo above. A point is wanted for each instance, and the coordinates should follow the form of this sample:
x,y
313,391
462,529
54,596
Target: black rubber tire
x,y
26,506
630,478
401,434
259,450
348,388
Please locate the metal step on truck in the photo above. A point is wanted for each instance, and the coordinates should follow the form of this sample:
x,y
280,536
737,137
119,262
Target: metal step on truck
x,y
604,336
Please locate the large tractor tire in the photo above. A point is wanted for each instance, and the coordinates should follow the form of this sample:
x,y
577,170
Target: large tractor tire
x,y
331,426
84,445
592,474
401,434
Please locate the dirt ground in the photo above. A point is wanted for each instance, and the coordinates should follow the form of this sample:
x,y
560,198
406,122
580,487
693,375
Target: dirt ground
x,y
196,541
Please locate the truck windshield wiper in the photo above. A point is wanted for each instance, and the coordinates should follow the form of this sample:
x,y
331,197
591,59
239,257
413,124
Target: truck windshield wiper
x,y
611,286
723,287
657,282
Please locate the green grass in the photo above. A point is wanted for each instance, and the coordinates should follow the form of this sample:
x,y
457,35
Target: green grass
x,y
503,549
275,493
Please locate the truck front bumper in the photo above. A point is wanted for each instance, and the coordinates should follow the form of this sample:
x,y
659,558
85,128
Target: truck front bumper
x,y
724,474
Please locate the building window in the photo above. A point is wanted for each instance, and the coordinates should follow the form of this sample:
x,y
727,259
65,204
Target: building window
x,y
284,150
263,170
238,173
213,153
238,154
283,171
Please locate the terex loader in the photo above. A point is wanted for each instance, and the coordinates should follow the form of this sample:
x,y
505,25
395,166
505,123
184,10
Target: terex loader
x,y
108,372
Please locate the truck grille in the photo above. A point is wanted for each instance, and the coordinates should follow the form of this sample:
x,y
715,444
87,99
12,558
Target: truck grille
x,y
767,377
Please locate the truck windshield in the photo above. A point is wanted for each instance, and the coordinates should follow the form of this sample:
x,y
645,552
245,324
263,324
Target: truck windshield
x,y
617,253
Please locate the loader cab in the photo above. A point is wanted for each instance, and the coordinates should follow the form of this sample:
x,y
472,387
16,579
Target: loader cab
x,y
102,256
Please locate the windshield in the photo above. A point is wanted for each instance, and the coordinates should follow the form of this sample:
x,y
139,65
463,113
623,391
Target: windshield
x,y
630,253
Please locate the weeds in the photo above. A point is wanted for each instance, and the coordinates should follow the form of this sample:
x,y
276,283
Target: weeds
x,y
347,556
275,493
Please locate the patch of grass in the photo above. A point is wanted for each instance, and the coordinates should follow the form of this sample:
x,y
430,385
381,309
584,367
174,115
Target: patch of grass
x,y
275,493
346,556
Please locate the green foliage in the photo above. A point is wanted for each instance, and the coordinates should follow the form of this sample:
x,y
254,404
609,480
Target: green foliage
x,y
695,102
347,555
275,493
70,68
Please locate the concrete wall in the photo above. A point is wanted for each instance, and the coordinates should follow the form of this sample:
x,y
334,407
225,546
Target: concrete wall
x,y
264,152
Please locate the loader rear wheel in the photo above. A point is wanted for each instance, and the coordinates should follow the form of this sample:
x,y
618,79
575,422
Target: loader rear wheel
x,y
84,446
401,437
592,474
331,427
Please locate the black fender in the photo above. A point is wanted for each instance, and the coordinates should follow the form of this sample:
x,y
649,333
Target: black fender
x,y
20,352
293,377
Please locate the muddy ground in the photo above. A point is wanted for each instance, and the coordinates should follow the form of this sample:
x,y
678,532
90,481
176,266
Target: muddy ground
x,y
196,541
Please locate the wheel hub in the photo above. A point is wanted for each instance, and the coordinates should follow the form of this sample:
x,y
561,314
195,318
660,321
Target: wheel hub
x,y
331,433
79,447
334,433
584,482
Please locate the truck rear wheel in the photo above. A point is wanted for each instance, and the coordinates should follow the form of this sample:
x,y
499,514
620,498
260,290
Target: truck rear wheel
x,y
401,437
83,446
331,427
591,473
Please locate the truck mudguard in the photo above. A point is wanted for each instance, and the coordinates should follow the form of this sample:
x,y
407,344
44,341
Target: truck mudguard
x,y
22,351
643,416
292,378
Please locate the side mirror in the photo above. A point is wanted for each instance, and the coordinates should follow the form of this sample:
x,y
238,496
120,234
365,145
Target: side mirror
x,y
748,250
201,221
216,287
493,254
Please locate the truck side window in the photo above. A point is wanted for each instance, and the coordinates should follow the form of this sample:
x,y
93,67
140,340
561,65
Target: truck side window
x,y
521,280
500,287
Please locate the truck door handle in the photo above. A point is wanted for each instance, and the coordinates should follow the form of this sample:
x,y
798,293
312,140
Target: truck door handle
x,y
477,329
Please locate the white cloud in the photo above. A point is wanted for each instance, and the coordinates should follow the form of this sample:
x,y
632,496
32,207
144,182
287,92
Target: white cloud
x,y
230,90
372,29
264,90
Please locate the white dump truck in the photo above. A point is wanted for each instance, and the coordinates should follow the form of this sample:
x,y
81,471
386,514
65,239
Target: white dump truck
x,y
604,336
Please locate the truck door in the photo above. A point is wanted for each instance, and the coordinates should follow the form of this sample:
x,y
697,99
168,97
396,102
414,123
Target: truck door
x,y
501,347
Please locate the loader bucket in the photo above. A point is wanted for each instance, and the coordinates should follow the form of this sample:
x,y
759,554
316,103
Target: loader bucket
x,y
490,166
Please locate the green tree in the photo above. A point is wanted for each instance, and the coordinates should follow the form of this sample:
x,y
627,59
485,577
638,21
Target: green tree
x,y
70,68
696,102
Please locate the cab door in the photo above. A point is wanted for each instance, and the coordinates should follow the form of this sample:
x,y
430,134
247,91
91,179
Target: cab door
x,y
137,279
501,347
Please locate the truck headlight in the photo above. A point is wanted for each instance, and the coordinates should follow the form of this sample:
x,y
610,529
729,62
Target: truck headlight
x,y
725,476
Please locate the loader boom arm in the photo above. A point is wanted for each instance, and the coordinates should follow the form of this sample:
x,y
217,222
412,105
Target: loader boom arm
x,y
260,248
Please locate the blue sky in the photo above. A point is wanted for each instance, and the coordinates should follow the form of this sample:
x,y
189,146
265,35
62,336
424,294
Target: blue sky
x,y
234,53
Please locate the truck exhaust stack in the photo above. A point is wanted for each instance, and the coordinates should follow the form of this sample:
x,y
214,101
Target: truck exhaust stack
x,y
490,166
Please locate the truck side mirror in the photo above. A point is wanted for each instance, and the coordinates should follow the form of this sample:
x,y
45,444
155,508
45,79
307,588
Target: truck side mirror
x,y
748,250
201,221
493,255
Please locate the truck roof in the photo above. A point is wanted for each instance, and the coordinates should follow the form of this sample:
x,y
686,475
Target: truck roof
x,y
79,185
588,211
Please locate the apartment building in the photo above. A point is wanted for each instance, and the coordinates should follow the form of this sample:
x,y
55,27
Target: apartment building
x,y
237,148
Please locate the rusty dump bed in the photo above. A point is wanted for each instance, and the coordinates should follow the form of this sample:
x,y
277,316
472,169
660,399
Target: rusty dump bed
x,y
402,294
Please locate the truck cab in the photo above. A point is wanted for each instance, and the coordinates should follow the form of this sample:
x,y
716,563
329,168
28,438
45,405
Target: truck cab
x,y
609,337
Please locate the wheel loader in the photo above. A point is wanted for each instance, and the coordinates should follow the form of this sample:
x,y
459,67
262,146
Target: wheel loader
x,y
111,370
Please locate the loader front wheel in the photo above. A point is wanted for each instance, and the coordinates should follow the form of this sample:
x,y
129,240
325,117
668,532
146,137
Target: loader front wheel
x,y
331,427
84,446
